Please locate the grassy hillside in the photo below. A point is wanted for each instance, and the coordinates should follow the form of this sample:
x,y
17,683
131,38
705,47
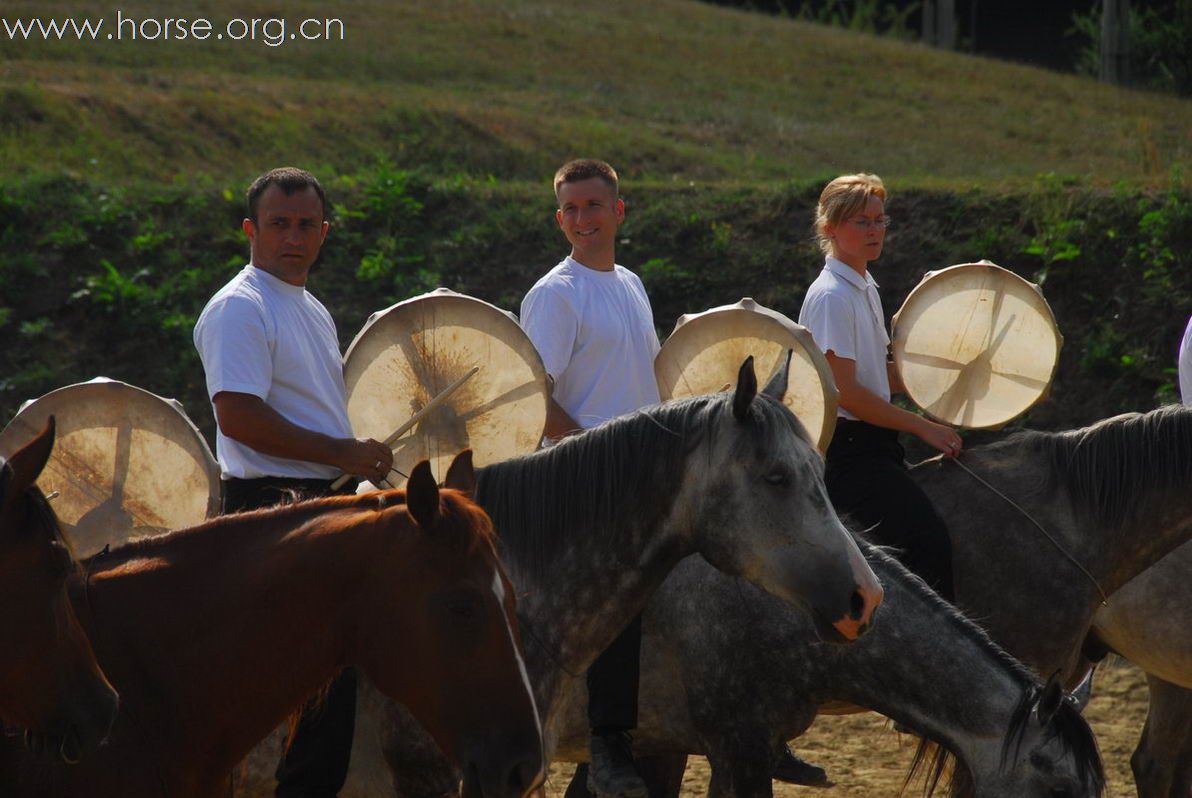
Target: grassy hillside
x,y
669,90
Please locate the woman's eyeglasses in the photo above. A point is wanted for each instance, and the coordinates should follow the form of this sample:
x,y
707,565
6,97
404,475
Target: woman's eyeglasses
x,y
861,223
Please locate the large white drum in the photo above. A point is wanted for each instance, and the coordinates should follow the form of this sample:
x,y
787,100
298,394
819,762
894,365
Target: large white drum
x,y
409,353
126,462
705,351
976,345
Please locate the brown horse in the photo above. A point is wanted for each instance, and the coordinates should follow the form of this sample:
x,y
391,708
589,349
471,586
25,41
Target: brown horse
x,y
216,633
51,687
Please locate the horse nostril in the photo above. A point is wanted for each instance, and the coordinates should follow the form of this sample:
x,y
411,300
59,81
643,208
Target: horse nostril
x,y
857,606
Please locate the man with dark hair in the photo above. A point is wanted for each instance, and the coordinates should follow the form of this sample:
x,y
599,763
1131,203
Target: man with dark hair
x,y
290,180
275,378
592,324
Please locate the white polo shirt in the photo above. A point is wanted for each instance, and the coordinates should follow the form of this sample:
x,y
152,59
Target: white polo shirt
x,y
844,314
1186,365
263,336
595,333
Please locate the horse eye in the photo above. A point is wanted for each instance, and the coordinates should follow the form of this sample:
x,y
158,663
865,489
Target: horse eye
x,y
778,477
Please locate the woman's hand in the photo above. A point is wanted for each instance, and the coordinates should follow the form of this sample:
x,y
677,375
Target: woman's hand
x,y
939,436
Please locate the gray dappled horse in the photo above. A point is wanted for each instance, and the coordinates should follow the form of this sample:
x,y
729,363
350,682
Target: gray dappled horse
x,y
589,528
1118,494
1115,496
1149,621
750,674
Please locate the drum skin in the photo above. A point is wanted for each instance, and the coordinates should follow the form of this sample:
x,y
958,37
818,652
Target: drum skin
x,y
705,351
407,354
125,462
976,345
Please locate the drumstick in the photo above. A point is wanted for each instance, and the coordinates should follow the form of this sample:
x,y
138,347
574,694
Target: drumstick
x,y
414,419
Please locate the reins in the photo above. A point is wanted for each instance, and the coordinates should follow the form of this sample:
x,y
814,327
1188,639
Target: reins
x,y
1058,546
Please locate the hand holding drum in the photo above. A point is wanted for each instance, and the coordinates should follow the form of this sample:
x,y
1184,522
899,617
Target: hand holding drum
x,y
382,451
443,372
366,458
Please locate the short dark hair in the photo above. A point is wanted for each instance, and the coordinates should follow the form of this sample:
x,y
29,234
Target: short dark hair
x,y
289,179
586,169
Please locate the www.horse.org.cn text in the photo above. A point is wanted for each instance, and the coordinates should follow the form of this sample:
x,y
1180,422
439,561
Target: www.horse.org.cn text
x,y
270,31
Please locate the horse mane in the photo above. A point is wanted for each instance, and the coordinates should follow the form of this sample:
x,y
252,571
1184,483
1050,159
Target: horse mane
x,y
969,630
933,759
462,523
1109,468
616,479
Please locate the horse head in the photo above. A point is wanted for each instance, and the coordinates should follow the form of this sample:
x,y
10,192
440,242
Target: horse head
x,y
1049,752
763,479
50,684
454,658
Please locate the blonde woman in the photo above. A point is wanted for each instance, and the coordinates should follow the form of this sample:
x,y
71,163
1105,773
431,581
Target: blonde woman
x,y
866,474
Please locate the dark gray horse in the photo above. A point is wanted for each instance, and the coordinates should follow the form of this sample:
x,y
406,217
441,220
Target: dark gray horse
x,y
590,528
732,674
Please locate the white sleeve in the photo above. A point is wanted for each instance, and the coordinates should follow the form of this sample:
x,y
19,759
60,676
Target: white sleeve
x,y
655,346
830,320
1186,365
552,325
234,347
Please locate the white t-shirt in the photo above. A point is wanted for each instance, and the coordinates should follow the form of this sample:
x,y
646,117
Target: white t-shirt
x,y
595,333
263,336
844,314
1186,365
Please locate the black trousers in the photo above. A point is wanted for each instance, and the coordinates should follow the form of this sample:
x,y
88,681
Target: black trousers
x,y
867,480
316,764
612,682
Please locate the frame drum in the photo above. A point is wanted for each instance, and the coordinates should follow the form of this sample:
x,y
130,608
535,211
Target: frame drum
x,y
125,463
407,354
706,350
976,345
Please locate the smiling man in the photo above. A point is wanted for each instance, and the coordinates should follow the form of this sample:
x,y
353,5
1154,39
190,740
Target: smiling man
x,y
275,378
589,318
592,324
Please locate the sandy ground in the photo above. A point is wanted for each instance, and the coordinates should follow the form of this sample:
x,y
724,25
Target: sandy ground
x,y
867,759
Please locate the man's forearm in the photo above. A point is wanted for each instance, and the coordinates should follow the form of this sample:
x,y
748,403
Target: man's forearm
x,y
248,420
558,423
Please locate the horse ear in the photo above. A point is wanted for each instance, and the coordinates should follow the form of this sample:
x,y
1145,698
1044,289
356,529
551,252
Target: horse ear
x,y
461,475
1050,700
422,496
746,389
30,459
776,386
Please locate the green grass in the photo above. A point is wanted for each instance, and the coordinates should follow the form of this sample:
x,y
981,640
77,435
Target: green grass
x,y
670,91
